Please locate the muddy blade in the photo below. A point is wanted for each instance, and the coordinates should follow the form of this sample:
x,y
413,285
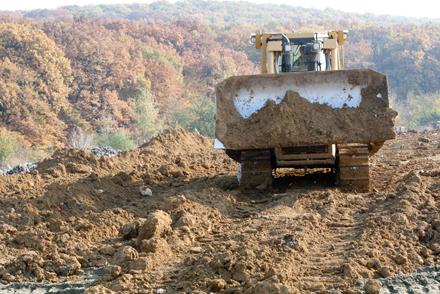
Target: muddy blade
x,y
303,108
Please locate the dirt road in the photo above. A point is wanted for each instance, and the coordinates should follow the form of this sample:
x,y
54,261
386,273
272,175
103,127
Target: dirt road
x,y
196,233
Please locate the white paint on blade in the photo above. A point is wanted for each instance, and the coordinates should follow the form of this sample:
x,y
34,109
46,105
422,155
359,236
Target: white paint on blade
x,y
218,144
336,95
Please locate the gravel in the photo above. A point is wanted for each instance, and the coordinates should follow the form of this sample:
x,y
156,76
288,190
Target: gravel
x,y
21,168
426,280
104,151
423,281
63,288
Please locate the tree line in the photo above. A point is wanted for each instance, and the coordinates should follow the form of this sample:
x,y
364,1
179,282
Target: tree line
x,y
118,74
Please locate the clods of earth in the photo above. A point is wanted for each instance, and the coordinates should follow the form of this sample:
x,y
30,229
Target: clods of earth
x,y
168,217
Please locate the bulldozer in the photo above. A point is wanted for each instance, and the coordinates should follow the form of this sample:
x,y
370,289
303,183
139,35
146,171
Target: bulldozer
x,y
303,111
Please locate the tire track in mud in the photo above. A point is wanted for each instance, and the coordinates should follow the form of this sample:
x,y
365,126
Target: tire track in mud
x,y
327,264
326,240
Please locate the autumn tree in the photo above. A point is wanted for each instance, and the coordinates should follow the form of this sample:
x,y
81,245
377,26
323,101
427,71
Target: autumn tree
x,y
34,83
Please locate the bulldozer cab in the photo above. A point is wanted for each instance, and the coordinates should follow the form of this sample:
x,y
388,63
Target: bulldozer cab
x,y
300,51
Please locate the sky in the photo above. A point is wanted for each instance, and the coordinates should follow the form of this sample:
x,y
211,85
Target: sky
x,y
420,8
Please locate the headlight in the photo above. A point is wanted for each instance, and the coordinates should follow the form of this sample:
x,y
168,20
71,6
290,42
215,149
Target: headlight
x,y
316,46
253,39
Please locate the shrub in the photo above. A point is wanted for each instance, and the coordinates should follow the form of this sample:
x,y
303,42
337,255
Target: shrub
x,y
146,111
423,109
199,117
9,145
118,140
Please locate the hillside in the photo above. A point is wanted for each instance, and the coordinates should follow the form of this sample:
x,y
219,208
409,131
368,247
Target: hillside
x,y
116,75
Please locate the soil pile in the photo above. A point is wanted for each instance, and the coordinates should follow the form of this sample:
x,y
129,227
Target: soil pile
x,y
294,120
195,233
300,122
173,154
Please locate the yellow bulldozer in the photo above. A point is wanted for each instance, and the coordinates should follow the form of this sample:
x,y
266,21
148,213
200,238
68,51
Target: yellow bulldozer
x,y
303,111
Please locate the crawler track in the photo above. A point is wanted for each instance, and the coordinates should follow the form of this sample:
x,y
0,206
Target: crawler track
x,y
256,170
353,167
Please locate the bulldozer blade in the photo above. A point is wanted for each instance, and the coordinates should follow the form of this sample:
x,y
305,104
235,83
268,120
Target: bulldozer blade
x,y
303,108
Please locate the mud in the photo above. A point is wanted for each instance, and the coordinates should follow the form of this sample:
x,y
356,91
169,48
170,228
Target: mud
x,y
196,233
295,120
77,287
426,280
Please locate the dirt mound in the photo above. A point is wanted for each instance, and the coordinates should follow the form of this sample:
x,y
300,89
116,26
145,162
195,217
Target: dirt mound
x,y
196,233
54,220
173,154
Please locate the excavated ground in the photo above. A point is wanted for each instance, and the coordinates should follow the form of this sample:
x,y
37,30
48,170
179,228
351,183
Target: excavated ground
x,y
195,233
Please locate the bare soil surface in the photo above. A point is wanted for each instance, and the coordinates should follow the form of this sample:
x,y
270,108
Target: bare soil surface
x,y
169,216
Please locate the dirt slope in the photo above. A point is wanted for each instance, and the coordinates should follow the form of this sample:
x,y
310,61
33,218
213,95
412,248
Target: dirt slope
x,y
197,234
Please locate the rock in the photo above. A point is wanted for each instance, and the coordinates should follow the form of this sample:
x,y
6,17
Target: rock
x,y
349,271
424,252
51,276
240,273
187,219
75,168
435,247
107,250
140,264
145,191
160,291
130,230
30,262
57,225
164,170
71,266
417,259
7,229
176,173
217,285
400,218
123,179
57,171
63,264
124,283
124,255
112,272
157,224
30,258
268,287
424,139
384,272
400,259
413,178
195,249
8,277
99,289
372,286
154,245
373,263
435,225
